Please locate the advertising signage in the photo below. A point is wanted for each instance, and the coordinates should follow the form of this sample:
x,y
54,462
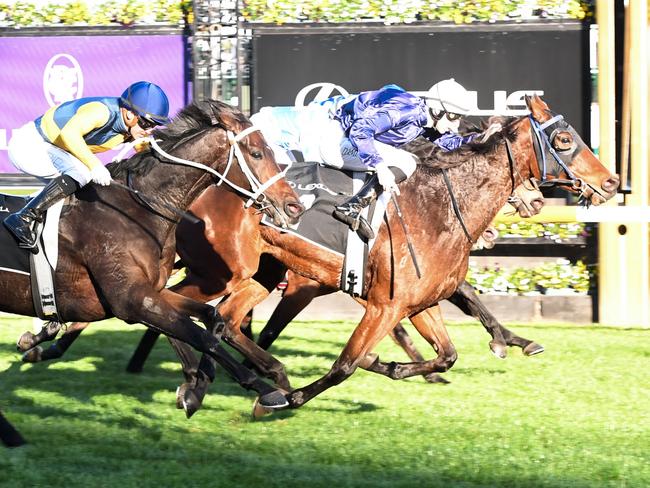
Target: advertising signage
x,y
39,72
499,63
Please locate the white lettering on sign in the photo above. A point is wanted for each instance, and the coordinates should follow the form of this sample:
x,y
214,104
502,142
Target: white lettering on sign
x,y
503,103
62,79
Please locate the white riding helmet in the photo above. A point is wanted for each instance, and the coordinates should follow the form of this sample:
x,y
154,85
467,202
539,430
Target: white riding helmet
x,y
448,96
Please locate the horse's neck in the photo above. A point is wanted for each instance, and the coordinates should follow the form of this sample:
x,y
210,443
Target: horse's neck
x,y
481,187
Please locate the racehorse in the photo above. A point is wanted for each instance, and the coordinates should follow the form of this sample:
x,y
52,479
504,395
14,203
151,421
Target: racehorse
x,y
483,175
119,266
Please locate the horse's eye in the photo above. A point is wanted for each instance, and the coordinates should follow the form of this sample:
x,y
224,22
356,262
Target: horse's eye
x,y
257,154
563,141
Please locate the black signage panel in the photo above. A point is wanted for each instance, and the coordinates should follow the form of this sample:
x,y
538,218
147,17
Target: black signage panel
x,y
498,62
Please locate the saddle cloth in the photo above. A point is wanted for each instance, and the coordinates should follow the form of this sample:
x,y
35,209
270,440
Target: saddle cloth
x,y
320,188
39,267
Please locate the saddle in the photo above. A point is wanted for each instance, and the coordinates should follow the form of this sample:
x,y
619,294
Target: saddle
x,y
321,188
40,266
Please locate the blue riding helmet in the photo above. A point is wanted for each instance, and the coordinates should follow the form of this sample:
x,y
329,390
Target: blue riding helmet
x,y
148,101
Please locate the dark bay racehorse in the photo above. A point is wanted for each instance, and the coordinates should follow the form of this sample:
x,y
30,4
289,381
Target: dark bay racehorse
x,y
483,176
116,252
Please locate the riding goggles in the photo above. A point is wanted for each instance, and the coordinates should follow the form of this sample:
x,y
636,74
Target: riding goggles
x,y
146,124
450,115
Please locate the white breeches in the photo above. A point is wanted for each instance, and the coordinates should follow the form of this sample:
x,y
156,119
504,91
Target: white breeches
x,y
31,154
335,149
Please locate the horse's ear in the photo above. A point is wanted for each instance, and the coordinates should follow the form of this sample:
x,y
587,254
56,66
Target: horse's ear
x,y
537,106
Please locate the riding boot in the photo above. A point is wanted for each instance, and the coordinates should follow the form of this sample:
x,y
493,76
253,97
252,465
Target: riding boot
x,y
350,211
22,223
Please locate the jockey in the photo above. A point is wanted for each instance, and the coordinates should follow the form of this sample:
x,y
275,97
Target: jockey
x,y
61,144
366,131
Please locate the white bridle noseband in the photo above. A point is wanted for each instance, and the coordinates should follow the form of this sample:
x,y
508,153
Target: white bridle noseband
x,y
257,188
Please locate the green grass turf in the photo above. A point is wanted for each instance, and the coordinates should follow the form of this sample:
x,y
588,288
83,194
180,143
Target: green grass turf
x,y
576,416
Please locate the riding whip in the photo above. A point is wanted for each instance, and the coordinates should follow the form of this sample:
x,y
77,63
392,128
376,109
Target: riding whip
x,y
406,234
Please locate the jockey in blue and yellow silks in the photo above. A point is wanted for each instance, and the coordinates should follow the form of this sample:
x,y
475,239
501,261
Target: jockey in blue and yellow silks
x,y
61,144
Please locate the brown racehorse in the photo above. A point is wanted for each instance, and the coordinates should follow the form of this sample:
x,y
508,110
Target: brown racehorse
x,y
119,266
483,176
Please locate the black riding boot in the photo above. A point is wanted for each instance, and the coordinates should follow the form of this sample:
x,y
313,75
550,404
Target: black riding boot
x,y
350,211
22,223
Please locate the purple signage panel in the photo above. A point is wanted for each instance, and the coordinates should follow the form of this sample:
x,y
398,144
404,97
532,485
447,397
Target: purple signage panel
x,y
37,73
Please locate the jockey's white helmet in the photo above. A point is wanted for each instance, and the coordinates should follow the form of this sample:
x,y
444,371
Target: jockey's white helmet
x,y
448,96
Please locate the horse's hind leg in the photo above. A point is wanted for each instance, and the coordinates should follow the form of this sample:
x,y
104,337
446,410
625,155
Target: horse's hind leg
x,y
59,347
467,300
9,436
402,339
430,325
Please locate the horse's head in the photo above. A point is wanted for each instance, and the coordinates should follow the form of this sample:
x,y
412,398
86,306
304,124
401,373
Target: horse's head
x,y
564,159
256,170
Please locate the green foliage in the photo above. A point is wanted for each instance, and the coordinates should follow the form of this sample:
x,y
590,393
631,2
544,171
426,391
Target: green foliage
x,y
553,231
406,11
575,416
27,14
559,275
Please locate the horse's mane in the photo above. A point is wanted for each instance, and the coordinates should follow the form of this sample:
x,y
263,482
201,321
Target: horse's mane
x,y
190,122
433,157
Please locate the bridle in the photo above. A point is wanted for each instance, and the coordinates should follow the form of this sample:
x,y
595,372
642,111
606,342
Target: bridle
x,y
256,195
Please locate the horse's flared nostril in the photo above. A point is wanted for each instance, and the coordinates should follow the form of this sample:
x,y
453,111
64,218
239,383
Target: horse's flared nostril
x,y
294,210
610,185
537,203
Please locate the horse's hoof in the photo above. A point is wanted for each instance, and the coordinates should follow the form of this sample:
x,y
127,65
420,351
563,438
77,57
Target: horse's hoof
x,y
533,348
25,342
259,411
191,403
368,360
436,378
274,400
34,355
500,350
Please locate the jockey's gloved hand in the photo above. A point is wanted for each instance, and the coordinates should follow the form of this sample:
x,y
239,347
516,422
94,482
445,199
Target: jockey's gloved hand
x,y
492,129
100,175
386,178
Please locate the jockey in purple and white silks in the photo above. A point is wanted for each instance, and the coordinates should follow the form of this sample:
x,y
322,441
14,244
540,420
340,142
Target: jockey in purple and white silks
x,y
363,133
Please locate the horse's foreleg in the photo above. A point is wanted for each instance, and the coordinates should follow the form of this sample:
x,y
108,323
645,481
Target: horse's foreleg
x,y
242,299
374,326
142,351
9,436
467,300
296,297
430,325
402,339
29,340
141,303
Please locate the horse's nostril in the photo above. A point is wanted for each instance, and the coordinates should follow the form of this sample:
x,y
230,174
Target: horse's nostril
x,y
294,209
611,184
537,204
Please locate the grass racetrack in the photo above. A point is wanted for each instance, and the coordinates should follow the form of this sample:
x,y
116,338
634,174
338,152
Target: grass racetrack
x,y
577,415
